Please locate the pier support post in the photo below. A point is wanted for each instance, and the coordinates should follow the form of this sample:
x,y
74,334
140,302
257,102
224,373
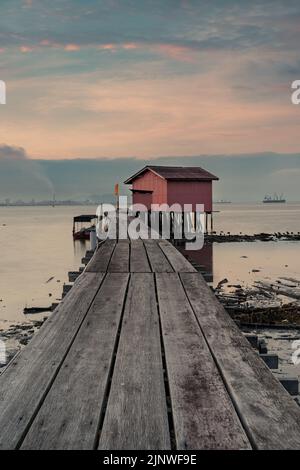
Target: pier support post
x,y
291,384
271,360
93,240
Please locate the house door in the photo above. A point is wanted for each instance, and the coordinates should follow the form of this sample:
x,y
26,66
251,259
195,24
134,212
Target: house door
x,y
144,198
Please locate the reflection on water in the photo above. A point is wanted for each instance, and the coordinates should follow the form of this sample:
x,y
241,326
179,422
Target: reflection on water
x,y
202,259
36,244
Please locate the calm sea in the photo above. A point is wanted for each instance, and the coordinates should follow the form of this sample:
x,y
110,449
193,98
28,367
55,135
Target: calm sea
x,y
36,244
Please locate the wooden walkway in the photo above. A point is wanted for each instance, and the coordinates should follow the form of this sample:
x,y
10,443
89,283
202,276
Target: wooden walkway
x,y
141,355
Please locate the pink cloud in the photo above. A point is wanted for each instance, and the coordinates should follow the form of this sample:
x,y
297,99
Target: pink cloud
x,y
45,42
130,45
175,52
107,47
181,53
72,47
25,49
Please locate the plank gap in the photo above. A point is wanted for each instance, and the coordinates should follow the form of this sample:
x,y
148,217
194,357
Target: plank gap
x,y
111,371
165,374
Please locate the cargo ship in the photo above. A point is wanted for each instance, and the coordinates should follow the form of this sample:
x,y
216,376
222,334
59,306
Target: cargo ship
x,y
274,199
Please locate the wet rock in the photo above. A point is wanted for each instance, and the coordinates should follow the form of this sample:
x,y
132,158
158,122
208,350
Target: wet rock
x,y
220,284
24,341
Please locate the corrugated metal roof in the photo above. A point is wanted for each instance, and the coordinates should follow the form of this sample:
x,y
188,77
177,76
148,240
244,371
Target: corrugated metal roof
x,y
176,173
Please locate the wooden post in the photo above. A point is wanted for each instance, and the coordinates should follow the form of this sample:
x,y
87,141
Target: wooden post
x,y
93,240
117,209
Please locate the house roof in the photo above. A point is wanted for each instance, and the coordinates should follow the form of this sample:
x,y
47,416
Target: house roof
x,y
176,173
84,218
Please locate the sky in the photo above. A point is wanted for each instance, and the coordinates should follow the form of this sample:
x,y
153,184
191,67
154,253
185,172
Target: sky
x,y
147,79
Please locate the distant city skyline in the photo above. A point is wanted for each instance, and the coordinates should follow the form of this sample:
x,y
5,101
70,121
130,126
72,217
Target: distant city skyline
x,y
246,177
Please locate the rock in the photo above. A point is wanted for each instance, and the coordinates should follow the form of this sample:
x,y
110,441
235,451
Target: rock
x,y
24,341
224,281
25,327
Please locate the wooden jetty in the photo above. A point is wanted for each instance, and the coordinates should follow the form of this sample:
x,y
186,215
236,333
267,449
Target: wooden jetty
x,y
141,355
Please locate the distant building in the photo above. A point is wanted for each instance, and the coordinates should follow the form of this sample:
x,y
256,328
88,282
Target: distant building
x,y
170,185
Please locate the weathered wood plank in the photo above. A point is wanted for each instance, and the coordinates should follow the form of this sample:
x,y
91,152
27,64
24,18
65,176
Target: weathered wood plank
x,y
176,259
158,261
270,415
203,414
138,258
28,377
70,415
119,262
100,261
136,415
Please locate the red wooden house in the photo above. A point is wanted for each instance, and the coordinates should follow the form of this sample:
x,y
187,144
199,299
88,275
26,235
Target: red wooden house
x,y
172,184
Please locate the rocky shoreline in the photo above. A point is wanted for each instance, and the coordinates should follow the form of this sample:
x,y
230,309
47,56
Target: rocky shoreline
x,y
227,237
16,337
266,302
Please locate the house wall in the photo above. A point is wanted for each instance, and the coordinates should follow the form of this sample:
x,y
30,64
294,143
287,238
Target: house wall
x,y
190,192
172,192
150,181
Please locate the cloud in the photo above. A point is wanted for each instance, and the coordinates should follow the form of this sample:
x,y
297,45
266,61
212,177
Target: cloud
x,y
243,177
150,77
232,24
8,152
72,47
21,176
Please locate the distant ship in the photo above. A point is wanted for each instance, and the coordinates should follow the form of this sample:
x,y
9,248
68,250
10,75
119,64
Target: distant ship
x,y
274,199
222,201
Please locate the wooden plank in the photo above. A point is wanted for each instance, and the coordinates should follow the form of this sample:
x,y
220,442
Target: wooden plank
x,y
203,414
269,414
70,415
119,262
100,261
28,377
176,259
138,258
158,261
136,415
